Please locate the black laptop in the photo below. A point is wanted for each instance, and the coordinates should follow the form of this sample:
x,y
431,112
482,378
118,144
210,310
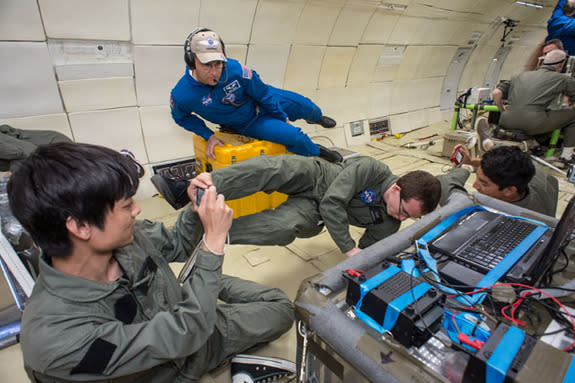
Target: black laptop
x,y
482,240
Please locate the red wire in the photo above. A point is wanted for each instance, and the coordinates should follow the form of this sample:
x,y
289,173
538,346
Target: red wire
x,y
515,305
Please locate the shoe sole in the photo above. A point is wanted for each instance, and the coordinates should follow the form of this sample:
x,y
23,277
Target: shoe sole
x,y
283,364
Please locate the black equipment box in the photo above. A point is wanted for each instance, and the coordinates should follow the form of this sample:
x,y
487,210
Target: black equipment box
x,y
418,314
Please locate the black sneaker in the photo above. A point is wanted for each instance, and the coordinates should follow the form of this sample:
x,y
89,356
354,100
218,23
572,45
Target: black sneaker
x,y
325,121
175,192
128,154
329,155
259,369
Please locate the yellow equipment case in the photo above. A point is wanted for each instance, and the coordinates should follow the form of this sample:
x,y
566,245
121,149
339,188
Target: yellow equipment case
x,y
239,148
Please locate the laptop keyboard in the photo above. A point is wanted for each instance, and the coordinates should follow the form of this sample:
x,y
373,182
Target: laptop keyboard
x,y
487,251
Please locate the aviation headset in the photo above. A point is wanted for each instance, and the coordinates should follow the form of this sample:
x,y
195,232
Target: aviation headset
x,y
189,56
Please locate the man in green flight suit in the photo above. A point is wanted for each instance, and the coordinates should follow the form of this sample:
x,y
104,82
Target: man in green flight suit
x,y
106,306
360,191
18,144
505,173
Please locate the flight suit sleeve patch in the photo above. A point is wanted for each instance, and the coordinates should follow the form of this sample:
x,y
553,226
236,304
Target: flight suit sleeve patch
x,y
96,359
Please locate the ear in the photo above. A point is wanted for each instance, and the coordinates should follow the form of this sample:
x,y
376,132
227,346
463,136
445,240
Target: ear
x,y
78,229
509,191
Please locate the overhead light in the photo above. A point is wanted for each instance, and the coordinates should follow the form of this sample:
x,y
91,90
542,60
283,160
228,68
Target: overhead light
x,y
528,4
393,7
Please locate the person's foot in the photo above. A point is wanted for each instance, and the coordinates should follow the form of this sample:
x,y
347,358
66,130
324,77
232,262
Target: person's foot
x,y
329,155
564,163
175,192
259,369
139,168
484,134
325,121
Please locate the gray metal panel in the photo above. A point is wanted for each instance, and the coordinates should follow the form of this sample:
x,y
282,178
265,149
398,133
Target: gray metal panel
x,y
492,75
451,80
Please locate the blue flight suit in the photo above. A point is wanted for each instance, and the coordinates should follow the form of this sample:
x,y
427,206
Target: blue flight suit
x,y
241,101
562,27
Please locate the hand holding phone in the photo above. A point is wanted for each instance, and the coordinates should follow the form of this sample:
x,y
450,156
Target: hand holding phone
x,y
199,195
457,156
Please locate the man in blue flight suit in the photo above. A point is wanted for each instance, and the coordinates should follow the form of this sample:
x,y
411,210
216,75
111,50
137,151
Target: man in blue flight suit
x,y
225,92
561,24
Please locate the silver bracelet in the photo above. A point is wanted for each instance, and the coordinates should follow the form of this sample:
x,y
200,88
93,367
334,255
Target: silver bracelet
x,y
210,250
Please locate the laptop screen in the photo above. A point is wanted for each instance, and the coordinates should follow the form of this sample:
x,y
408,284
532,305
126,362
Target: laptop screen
x,y
561,235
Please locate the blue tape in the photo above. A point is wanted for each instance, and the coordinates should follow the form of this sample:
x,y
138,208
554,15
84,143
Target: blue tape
x,y
494,274
570,376
365,288
502,357
408,266
400,303
394,307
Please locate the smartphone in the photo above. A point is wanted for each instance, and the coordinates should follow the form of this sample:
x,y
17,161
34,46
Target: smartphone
x,y
457,157
199,195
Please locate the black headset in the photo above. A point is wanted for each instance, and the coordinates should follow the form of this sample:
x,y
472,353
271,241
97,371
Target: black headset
x,y
189,56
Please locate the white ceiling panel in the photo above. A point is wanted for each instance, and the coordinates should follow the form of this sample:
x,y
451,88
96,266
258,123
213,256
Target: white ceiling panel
x,y
270,62
335,67
276,21
99,20
163,22
304,66
28,87
20,20
232,19
316,24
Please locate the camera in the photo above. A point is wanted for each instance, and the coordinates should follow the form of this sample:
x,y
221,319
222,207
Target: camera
x,y
457,157
571,174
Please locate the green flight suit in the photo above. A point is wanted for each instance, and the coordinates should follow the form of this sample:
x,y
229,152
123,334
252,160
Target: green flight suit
x,y
17,144
529,95
319,192
542,190
145,326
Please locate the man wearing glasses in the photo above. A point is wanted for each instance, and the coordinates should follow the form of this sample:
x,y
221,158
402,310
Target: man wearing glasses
x,y
361,191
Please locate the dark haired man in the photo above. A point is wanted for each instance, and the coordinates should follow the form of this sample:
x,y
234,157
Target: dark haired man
x,y
225,92
561,24
106,306
360,191
508,174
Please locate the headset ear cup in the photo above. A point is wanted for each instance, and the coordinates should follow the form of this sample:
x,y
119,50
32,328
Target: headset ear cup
x,y
190,59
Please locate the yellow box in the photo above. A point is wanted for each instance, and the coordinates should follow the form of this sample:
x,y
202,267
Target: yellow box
x,y
239,148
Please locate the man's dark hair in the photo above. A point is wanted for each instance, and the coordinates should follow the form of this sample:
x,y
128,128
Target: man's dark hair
x,y
64,180
508,166
558,43
423,187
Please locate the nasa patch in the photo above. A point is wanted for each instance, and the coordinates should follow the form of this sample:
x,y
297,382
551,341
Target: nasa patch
x,y
229,98
207,100
368,196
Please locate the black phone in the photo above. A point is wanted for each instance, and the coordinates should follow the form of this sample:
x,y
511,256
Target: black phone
x,y
199,195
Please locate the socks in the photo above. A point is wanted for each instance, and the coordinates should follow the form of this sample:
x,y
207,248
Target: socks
x,y
567,152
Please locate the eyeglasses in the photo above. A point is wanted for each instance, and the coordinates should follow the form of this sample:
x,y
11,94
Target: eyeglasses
x,y
402,212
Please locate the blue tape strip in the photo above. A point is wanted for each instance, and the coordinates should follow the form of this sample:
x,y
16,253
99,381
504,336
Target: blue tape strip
x,y
494,274
365,288
512,257
570,376
502,357
441,226
400,303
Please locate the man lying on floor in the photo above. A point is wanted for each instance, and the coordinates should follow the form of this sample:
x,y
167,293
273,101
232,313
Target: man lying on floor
x,y
360,191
